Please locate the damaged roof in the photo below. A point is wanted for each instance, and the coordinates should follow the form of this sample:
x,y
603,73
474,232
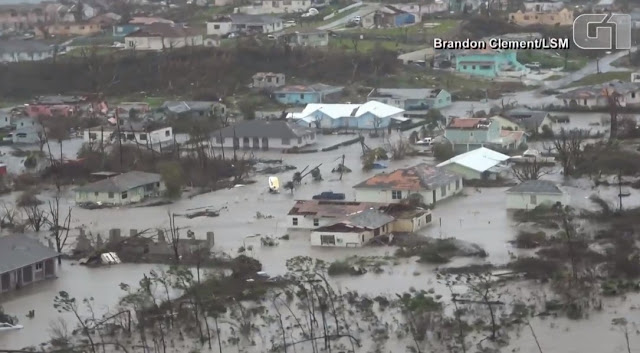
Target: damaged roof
x,y
595,91
185,106
18,250
331,209
419,177
264,128
469,123
165,30
122,182
536,187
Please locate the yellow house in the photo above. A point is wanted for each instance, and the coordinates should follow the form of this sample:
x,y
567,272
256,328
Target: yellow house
x,y
563,17
70,29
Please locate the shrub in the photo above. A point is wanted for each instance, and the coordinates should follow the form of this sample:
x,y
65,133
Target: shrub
x,y
443,151
173,178
339,268
530,240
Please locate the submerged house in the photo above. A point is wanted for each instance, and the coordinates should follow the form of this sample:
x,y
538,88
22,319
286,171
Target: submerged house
x,y
264,134
121,189
432,184
411,98
24,261
595,96
466,134
359,228
481,163
533,193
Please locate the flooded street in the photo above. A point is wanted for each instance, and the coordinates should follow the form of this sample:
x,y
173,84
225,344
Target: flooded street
x,y
478,215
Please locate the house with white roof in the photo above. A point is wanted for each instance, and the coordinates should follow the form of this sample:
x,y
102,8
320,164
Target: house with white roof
x,y
372,115
481,163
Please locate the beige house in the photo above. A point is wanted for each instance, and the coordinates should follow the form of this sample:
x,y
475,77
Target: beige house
x,y
268,80
163,36
121,189
563,17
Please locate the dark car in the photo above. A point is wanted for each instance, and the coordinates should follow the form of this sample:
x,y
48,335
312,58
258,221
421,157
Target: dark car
x,y
329,195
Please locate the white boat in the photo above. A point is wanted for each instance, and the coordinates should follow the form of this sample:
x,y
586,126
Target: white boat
x,y
274,184
5,326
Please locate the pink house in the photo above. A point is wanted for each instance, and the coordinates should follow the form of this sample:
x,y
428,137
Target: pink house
x,y
36,110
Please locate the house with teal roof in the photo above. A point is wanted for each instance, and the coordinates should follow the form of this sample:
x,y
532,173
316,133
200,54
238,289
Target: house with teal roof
x,y
489,63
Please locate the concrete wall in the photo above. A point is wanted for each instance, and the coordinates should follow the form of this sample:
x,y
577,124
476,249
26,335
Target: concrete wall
x,y
379,195
141,137
299,98
219,28
18,278
522,201
276,6
77,29
355,239
412,225
307,222
560,18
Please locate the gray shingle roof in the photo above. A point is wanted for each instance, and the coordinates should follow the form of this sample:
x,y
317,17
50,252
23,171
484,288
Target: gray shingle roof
x,y
17,251
23,46
370,219
263,128
536,187
122,182
185,106
406,93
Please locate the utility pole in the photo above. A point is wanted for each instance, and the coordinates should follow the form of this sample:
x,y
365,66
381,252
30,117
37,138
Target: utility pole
x,y
342,167
620,189
119,137
221,143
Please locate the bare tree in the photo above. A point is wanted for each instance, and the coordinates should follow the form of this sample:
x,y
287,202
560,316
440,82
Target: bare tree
x,y
174,236
529,170
59,231
613,103
568,146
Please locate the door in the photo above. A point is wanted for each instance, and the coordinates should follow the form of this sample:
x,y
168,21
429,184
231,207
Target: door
x,y
434,197
27,274
256,143
265,143
49,268
5,282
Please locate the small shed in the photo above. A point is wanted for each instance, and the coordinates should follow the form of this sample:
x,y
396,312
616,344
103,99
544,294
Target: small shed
x,y
533,193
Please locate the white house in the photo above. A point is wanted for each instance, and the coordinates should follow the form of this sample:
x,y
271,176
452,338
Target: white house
x,y
481,163
274,6
371,115
28,130
433,184
163,36
130,133
121,189
543,6
310,214
533,193
244,23
264,134
5,117
24,261
358,228
24,50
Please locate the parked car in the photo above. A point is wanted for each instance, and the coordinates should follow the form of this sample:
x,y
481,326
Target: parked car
x,y
425,141
356,19
290,23
5,326
329,195
271,37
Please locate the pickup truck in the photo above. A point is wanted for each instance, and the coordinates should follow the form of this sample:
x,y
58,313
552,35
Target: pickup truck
x,y
329,195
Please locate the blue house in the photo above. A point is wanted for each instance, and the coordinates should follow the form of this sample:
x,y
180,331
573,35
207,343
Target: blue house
x,y
302,95
411,98
125,29
489,63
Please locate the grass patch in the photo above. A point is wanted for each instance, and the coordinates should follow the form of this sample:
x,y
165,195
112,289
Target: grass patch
x,y
367,45
603,77
548,60
79,52
444,27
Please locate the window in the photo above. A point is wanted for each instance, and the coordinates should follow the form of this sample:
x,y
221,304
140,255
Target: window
x,y
533,199
585,102
93,136
22,134
220,140
123,195
327,240
39,266
167,133
95,194
633,95
281,95
110,195
526,18
143,137
131,136
316,222
473,67
471,133
286,141
443,191
119,29
464,67
458,184
216,26
396,194
294,221
131,44
301,95
485,67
